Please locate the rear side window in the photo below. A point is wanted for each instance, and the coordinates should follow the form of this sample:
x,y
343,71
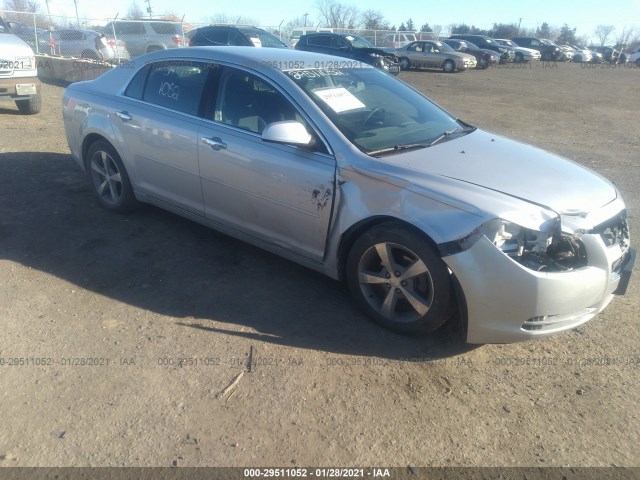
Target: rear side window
x,y
128,28
319,40
165,28
216,37
177,85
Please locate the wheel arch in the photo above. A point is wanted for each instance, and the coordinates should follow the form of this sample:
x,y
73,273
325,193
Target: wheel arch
x,y
349,237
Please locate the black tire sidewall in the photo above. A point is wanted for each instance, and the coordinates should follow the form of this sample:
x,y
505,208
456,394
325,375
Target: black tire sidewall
x,y
395,232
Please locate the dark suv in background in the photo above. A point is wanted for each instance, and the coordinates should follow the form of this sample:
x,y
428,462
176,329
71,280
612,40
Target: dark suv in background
x,y
507,54
548,51
243,35
349,46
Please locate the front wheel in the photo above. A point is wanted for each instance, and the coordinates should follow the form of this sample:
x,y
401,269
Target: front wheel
x,y
448,66
109,180
400,282
405,64
519,58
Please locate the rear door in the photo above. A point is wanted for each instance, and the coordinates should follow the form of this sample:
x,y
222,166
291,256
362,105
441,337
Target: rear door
x,y
157,122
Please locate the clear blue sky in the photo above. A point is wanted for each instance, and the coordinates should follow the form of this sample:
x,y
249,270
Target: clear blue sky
x,y
584,15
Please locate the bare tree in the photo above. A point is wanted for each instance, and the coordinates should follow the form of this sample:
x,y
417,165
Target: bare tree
x,y
437,31
624,37
21,5
374,20
225,18
338,15
135,11
603,32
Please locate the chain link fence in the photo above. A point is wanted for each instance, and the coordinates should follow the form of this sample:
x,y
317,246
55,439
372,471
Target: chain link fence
x,y
123,39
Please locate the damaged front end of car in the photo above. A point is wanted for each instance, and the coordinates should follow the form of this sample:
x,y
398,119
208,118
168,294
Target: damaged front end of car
x,y
549,279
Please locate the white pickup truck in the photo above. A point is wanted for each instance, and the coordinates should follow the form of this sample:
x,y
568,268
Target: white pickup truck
x,y
18,73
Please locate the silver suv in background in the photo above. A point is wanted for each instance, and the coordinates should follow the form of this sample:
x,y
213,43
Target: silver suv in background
x,y
145,36
82,44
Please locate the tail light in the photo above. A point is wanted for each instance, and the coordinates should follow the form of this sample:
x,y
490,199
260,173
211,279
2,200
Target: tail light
x,y
177,39
111,43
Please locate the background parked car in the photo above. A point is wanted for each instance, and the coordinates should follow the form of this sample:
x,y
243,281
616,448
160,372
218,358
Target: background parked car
x,y
506,53
484,57
548,52
521,54
349,46
582,54
566,53
397,40
609,54
296,33
244,35
146,36
82,44
434,54
635,56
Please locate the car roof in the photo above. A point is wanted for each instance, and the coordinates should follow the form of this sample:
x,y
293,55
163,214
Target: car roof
x,y
268,58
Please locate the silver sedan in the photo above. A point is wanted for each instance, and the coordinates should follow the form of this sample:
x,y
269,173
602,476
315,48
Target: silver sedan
x,y
434,54
343,168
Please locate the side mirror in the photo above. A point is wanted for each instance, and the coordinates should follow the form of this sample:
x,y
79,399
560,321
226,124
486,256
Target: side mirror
x,y
289,131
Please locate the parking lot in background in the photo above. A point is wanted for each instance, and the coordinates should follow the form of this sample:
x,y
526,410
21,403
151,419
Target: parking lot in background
x,y
146,339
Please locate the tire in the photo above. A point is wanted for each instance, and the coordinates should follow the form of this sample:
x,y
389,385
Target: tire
x,y
108,178
546,57
448,66
638,62
405,63
577,59
31,106
483,64
519,58
398,280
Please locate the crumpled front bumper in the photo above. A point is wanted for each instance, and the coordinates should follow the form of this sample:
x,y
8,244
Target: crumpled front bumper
x,y
507,302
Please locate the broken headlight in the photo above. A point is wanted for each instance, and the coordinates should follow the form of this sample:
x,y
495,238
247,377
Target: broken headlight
x,y
539,251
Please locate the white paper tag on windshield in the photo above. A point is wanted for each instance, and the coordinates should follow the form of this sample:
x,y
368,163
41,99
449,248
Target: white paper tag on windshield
x,y
339,99
256,41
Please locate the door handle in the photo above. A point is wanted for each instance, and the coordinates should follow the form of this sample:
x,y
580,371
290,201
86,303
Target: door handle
x,y
215,143
124,116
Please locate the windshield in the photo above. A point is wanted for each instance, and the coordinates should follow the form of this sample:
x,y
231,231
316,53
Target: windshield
x,y
372,109
261,38
359,42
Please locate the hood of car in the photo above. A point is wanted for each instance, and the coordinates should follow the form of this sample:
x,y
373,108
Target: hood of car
x,y
11,46
511,168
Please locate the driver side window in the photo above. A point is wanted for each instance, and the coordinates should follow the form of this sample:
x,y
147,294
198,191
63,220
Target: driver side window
x,y
248,102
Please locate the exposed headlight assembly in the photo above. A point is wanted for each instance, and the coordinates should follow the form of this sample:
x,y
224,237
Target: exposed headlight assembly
x,y
552,251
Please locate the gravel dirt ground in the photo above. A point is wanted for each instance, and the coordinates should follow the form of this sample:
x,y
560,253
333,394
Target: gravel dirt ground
x,y
120,333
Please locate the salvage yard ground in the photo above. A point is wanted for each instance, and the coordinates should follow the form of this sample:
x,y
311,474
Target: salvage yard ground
x,y
125,339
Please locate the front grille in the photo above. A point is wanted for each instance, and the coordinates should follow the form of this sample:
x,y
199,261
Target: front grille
x,y
554,322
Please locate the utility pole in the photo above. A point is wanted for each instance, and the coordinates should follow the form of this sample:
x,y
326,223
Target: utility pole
x,y
519,23
149,7
75,2
305,19
49,12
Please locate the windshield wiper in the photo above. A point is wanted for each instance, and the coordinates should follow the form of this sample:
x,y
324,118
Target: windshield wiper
x,y
410,146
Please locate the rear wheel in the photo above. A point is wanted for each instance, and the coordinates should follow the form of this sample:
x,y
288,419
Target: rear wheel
x,y
448,66
109,180
30,106
398,279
